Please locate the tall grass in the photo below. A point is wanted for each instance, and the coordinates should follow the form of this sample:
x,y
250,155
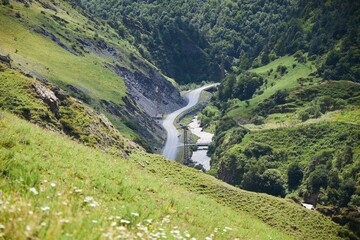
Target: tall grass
x,y
54,188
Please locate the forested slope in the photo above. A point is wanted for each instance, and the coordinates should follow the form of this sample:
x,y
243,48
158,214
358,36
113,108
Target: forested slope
x,y
197,40
292,135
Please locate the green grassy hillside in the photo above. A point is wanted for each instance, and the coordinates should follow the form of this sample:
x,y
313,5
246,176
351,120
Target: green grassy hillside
x,y
51,41
275,80
50,107
38,53
293,135
52,187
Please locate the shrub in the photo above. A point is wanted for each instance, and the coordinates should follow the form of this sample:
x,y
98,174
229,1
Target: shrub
x,y
272,183
303,115
294,175
258,120
281,69
318,179
257,149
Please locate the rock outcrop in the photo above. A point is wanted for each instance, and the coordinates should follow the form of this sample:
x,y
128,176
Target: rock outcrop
x,y
48,97
154,94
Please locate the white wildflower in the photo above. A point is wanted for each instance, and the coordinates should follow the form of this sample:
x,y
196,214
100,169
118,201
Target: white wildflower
x,y
94,221
228,228
64,220
31,212
135,214
148,220
113,224
53,184
45,181
2,226
59,194
78,190
121,228
88,199
175,232
45,208
124,221
34,191
28,228
94,204
43,224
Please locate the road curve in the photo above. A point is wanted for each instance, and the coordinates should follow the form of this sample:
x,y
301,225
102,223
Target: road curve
x,y
172,141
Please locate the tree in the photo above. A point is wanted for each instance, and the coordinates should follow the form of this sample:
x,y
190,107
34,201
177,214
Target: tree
x,y
294,175
318,179
252,179
272,183
226,87
343,157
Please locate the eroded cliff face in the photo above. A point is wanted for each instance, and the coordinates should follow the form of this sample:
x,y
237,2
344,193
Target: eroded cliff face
x,y
149,94
149,98
153,93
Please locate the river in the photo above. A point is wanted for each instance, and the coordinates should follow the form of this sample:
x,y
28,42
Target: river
x,y
172,141
205,138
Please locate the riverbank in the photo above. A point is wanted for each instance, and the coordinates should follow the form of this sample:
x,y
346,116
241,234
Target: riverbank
x,y
204,138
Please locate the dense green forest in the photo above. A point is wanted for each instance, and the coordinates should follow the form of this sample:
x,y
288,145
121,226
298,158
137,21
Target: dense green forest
x,y
197,40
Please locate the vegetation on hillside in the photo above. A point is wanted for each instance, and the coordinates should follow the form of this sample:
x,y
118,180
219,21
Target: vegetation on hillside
x,y
286,118
301,141
50,107
195,40
53,42
53,187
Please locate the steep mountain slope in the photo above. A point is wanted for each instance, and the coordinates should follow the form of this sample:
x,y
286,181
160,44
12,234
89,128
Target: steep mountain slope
x,y
53,187
52,42
50,107
282,131
198,40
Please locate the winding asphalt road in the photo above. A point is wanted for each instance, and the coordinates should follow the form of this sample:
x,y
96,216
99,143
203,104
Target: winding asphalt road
x,y
172,141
